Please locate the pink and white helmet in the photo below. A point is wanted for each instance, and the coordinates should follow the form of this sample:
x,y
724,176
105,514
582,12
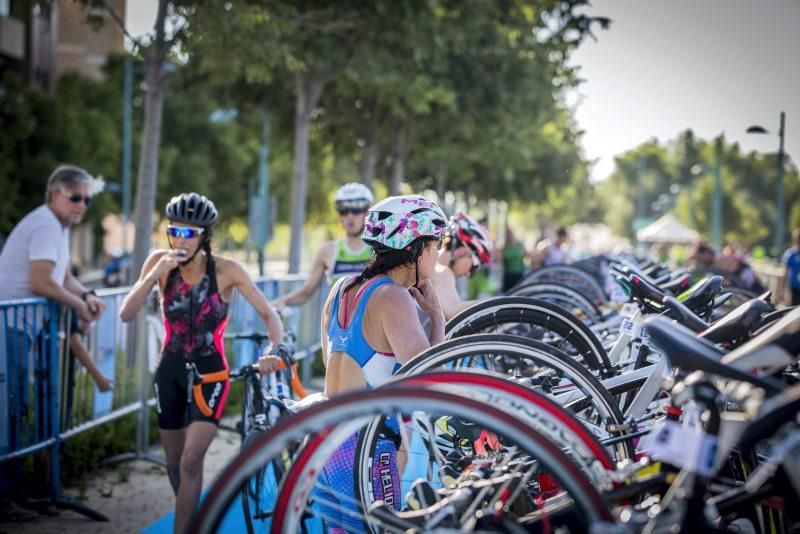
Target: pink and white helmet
x,y
397,221
466,231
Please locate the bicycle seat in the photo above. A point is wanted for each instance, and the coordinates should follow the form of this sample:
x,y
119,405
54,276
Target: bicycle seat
x,y
684,350
678,284
682,314
645,293
702,294
764,350
737,324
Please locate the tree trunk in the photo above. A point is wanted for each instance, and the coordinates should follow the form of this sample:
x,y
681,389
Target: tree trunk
x,y
308,88
441,183
399,155
370,151
369,160
151,140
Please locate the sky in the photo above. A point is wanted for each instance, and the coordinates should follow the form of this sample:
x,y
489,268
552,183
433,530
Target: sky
x,y
715,66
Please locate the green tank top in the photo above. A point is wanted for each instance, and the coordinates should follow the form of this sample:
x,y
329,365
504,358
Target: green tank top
x,y
346,263
514,258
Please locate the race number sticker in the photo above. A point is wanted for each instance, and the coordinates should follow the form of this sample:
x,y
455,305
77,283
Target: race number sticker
x,y
683,447
627,328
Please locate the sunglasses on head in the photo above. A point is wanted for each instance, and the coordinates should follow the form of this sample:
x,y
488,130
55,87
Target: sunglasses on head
x,y
75,198
351,211
184,232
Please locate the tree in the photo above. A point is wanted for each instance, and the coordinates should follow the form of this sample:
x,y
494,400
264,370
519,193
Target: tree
x,y
310,43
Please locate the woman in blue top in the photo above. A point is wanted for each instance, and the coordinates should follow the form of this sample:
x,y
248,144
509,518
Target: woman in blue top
x,y
370,328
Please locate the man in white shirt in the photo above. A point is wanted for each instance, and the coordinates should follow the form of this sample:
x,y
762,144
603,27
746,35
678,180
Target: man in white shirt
x,y
35,263
551,252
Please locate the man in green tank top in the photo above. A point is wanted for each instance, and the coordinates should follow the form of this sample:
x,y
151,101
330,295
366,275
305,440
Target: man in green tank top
x,y
514,254
340,257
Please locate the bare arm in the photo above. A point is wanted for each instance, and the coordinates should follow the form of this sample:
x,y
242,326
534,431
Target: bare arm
x,y
540,254
242,282
400,323
79,350
42,284
444,282
325,320
96,306
148,278
301,295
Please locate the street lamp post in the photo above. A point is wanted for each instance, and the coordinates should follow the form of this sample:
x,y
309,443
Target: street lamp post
x,y
716,201
779,208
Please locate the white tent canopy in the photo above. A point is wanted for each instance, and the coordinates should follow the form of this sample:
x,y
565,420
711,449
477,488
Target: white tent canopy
x,y
667,229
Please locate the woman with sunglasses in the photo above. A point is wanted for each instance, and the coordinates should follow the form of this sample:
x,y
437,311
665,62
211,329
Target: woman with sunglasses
x,y
466,246
340,257
370,328
195,288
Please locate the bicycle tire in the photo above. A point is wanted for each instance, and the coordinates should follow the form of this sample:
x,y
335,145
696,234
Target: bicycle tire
x,y
558,294
498,311
462,348
572,276
353,409
539,411
297,486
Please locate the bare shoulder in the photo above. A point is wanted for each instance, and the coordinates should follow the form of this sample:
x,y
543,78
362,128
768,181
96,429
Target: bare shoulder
x,y
229,267
325,253
394,298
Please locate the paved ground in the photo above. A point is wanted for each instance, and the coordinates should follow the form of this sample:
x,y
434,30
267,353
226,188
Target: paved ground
x,y
132,495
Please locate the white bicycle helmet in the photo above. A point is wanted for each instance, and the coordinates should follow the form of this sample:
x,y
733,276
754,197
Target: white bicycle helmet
x,y
396,222
353,195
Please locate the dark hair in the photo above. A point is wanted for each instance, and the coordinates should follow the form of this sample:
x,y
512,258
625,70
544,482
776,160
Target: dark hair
x,y
211,266
702,248
562,232
386,259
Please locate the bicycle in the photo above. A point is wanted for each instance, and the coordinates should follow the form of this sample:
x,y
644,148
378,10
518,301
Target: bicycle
x,y
264,404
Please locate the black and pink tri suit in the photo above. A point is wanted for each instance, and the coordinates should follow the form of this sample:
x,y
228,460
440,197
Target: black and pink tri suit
x,y
194,321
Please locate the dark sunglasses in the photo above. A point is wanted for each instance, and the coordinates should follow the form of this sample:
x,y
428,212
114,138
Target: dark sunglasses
x,y
184,232
351,211
75,198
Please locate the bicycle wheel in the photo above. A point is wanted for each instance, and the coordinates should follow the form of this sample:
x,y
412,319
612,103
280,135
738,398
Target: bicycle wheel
x,y
571,276
332,422
535,319
259,491
544,369
563,296
535,409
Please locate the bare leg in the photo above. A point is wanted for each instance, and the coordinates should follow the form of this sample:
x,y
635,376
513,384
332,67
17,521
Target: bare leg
x,y
172,440
198,437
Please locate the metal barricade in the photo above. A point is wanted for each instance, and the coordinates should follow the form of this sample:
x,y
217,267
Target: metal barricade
x,y
51,396
84,406
304,320
28,378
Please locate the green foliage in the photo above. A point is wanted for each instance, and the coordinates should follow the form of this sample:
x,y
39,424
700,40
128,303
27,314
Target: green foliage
x,y
477,88
748,188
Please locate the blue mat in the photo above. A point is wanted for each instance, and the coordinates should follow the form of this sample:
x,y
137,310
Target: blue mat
x,y
233,521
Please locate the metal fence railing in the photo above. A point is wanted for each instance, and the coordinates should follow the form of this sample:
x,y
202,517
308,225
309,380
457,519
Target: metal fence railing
x,y
49,395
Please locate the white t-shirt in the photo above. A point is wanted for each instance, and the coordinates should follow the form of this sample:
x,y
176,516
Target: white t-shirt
x,y
38,236
555,254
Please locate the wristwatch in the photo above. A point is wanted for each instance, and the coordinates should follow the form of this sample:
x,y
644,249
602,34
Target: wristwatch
x,y
86,293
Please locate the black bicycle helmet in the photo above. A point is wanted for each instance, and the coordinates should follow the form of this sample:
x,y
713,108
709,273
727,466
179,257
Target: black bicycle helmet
x,y
191,208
